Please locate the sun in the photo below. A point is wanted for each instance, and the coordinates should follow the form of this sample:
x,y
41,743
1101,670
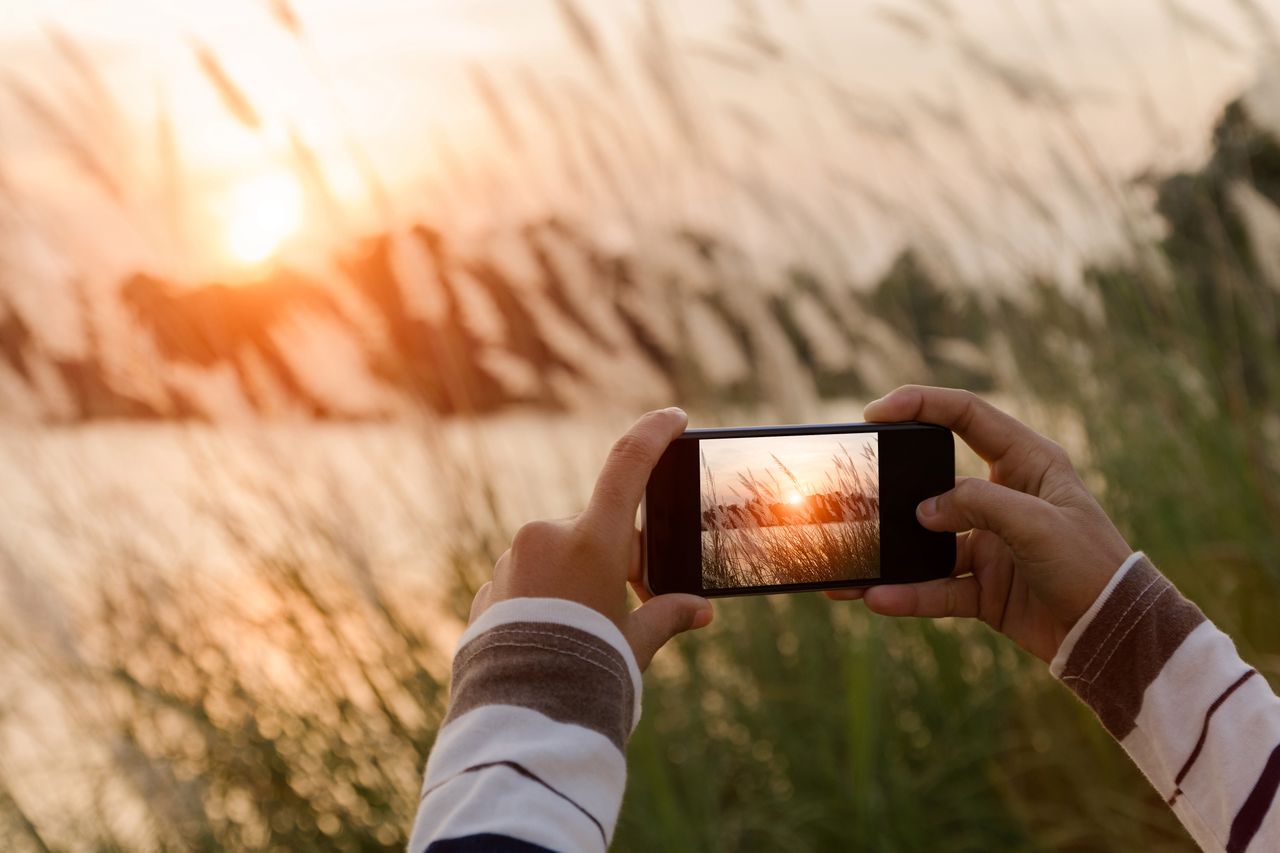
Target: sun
x,y
795,498
261,214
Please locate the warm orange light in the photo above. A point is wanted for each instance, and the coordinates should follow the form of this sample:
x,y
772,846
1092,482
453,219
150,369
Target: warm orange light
x,y
261,214
795,498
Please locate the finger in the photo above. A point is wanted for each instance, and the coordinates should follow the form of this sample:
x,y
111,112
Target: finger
x,y
635,572
990,432
977,504
653,623
964,554
626,471
480,603
845,594
500,567
945,597
642,592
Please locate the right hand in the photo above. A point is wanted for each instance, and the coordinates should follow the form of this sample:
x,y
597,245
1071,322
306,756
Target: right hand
x,y
590,557
1035,549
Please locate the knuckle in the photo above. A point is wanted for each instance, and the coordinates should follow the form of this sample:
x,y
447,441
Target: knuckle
x,y
631,448
535,536
965,492
967,501
1057,454
970,404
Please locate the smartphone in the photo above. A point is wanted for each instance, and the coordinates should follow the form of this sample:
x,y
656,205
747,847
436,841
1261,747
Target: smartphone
x,y
754,510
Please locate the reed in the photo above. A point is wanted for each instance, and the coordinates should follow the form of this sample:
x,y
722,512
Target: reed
x,y
289,704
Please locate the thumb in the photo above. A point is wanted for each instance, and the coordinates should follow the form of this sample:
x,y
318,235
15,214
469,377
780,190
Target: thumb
x,y
652,624
982,505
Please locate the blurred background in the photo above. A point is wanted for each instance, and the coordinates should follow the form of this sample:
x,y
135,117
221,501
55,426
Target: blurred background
x,y
306,305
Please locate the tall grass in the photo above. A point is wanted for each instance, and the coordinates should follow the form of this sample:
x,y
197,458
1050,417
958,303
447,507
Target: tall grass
x,y
283,703
290,704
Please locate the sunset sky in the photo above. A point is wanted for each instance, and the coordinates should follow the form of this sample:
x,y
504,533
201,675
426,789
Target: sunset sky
x,y
809,457
386,90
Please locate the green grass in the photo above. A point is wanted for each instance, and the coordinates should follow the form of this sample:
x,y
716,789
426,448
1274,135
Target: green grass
x,y
798,724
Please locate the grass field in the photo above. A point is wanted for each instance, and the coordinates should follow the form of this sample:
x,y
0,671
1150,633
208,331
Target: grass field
x,y
290,703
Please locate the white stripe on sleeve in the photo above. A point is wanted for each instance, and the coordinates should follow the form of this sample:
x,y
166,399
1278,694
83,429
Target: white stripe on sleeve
x,y
498,800
580,763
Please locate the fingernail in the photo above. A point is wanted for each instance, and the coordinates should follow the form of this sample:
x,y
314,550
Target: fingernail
x,y
676,409
702,618
927,509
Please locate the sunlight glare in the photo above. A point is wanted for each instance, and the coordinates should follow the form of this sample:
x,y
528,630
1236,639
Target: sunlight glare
x,y
261,214
795,498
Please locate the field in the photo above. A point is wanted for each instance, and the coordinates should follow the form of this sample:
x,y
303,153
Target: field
x,y
241,521
803,553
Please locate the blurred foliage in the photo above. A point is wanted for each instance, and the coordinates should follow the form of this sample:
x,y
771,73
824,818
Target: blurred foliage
x,y
291,706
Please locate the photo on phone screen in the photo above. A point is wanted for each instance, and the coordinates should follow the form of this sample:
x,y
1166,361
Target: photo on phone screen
x,y
789,509
754,510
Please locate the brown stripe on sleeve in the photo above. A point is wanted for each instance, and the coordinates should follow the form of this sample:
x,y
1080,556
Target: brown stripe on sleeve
x,y
1204,732
1249,818
1129,641
567,674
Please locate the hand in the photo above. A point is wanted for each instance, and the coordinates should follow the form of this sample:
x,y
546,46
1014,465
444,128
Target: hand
x,y
1038,549
590,557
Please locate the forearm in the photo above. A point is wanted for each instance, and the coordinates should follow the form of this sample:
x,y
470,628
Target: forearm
x,y
545,694
1201,723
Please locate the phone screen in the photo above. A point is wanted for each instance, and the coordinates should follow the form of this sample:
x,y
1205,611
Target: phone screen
x,y
775,509
794,509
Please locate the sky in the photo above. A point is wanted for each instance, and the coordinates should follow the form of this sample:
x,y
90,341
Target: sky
x,y
839,113
809,458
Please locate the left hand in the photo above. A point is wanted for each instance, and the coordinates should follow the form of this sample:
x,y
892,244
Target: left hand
x,y
590,557
1035,549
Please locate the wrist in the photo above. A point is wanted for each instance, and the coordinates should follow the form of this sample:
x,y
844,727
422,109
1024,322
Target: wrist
x,y
561,612
1124,644
1076,628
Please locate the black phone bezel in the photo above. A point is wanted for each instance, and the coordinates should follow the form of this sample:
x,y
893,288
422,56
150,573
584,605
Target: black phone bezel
x,y
917,461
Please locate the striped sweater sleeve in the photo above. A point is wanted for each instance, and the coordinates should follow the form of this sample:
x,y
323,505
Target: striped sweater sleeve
x,y
1201,723
531,753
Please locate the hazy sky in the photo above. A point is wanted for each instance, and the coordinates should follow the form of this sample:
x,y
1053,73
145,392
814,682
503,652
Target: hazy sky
x,y
809,457
879,119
